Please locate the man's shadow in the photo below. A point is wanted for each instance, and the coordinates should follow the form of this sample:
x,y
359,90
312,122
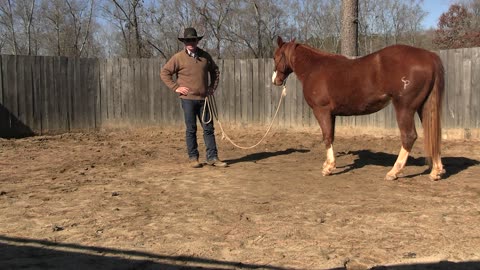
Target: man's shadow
x,y
264,155
452,165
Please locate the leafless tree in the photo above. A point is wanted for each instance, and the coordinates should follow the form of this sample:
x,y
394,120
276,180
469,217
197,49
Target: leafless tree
x,y
254,26
126,15
413,23
231,28
54,11
386,22
214,14
7,19
27,18
350,27
81,17
319,23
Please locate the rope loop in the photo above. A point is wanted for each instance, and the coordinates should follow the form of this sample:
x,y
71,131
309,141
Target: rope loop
x,y
212,109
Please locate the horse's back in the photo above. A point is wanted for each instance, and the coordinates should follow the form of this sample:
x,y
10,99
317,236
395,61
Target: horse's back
x,y
405,55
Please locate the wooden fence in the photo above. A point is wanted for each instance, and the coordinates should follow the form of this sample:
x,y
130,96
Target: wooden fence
x,y
57,94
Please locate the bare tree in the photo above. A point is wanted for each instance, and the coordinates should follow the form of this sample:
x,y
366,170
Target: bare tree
x,y
366,18
319,23
232,28
254,26
81,25
350,27
386,22
54,12
126,16
214,15
6,15
27,17
2,44
413,23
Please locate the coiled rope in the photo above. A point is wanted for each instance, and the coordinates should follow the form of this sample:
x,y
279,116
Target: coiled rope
x,y
212,109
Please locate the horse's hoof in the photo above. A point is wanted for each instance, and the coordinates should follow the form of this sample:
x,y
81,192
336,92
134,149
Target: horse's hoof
x,y
390,177
328,171
437,175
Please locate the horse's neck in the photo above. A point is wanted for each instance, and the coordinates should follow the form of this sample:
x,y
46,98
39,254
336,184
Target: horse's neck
x,y
306,58
303,59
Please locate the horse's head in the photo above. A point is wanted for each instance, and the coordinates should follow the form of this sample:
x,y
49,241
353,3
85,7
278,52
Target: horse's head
x,y
282,65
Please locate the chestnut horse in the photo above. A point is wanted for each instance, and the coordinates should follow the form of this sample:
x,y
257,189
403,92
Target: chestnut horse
x,y
411,78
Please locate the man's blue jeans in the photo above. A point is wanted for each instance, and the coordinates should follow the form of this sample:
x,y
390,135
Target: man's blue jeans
x,y
192,110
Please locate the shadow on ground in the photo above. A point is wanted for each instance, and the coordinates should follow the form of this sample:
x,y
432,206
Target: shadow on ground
x,y
443,265
21,253
264,155
452,165
11,126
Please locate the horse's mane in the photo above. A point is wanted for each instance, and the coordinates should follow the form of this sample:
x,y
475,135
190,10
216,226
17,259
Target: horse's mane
x,y
310,52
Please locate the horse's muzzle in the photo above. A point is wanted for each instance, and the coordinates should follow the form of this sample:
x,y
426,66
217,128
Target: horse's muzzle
x,y
274,75
274,79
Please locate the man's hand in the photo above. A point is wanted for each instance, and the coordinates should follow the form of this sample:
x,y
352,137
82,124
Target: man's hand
x,y
182,90
210,91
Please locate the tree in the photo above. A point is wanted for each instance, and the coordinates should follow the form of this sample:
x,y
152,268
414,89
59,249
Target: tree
x,y
7,19
127,16
253,27
214,14
388,22
81,25
455,29
350,27
27,16
318,23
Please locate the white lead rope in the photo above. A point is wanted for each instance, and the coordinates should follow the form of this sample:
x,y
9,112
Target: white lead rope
x,y
212,107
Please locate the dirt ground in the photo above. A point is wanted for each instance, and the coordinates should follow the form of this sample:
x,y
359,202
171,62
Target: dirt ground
x,y
126,199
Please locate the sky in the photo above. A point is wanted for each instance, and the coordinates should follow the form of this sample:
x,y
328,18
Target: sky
x,y
435,8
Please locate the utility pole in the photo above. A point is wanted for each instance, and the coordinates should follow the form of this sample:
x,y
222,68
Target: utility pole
x,y
349,36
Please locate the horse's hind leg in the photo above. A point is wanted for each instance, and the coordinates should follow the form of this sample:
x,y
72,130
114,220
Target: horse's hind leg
x,y
327,124
408,133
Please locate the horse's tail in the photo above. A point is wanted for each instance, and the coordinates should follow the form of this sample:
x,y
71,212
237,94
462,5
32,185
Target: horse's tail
x,y
431,114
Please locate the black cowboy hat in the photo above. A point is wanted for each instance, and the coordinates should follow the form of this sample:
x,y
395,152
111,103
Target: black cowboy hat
x,y
190,34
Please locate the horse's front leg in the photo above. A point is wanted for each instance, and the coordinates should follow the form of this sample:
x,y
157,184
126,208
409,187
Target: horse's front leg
x,y
327,124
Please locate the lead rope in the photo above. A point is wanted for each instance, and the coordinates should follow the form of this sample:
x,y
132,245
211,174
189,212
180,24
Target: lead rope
x,y
212,109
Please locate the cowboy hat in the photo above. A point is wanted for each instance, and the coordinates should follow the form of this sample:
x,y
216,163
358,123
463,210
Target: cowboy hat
x,y
190,34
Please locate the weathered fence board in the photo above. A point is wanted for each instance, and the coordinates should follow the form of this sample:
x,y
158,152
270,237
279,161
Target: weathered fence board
x,y
59,94
4,112
475,106
237,100
1,80
268,90
220,96
109,105
10,85
228,115
124,76
466,86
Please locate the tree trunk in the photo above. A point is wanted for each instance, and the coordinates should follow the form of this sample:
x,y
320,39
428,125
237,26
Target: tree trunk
x,y
350,27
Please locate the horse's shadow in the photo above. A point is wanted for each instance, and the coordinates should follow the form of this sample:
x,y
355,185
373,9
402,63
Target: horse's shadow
x,y
452,165
264,155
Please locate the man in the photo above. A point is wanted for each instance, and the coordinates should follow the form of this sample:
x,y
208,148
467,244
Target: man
x,y
192,67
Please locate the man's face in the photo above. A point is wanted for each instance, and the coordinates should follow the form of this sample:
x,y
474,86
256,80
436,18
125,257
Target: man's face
x,y
191,44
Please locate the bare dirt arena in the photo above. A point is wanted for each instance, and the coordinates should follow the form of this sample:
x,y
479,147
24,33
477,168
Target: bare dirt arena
x,y
126,199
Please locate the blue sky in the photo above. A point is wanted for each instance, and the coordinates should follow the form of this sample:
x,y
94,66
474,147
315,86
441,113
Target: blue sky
x,y
435,8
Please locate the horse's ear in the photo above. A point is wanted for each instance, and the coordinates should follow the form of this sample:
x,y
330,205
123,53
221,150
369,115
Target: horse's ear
x,y
293,40
280,41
